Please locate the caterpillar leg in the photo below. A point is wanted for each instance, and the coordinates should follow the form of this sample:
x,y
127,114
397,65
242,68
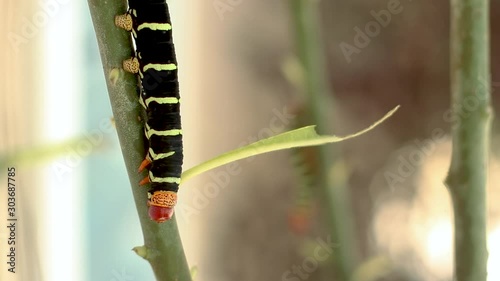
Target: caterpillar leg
x,y
124,21
144,181
131,65
144,164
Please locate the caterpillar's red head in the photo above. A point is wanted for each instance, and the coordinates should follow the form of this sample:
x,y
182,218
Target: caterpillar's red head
x,y
161,205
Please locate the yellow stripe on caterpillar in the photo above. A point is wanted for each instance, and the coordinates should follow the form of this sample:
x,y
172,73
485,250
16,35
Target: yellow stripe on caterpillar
x,y
152,178
167,100
155,26
141,101
166,133
158,156
159,67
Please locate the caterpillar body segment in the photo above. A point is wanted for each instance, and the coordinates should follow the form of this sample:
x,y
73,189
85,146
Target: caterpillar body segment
x,y
156,66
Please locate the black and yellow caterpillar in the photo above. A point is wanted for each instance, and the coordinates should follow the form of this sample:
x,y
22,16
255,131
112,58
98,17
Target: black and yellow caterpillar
x,y
156,65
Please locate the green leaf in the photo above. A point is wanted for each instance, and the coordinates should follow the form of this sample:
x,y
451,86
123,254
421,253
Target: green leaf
x,y
305,136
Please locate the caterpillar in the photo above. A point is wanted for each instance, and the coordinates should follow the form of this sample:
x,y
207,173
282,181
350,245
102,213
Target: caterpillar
x,y
156,66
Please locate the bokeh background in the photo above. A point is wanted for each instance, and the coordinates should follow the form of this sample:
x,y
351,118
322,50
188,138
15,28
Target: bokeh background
x,y
238,75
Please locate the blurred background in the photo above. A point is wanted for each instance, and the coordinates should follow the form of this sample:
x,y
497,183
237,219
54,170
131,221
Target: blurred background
x,y
259,219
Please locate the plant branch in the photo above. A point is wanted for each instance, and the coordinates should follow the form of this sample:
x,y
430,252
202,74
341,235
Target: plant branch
x,y
471,116
162,244
333,190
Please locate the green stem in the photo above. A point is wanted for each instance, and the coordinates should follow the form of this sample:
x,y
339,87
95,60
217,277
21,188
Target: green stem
x,y
471,116
333,191
162,244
